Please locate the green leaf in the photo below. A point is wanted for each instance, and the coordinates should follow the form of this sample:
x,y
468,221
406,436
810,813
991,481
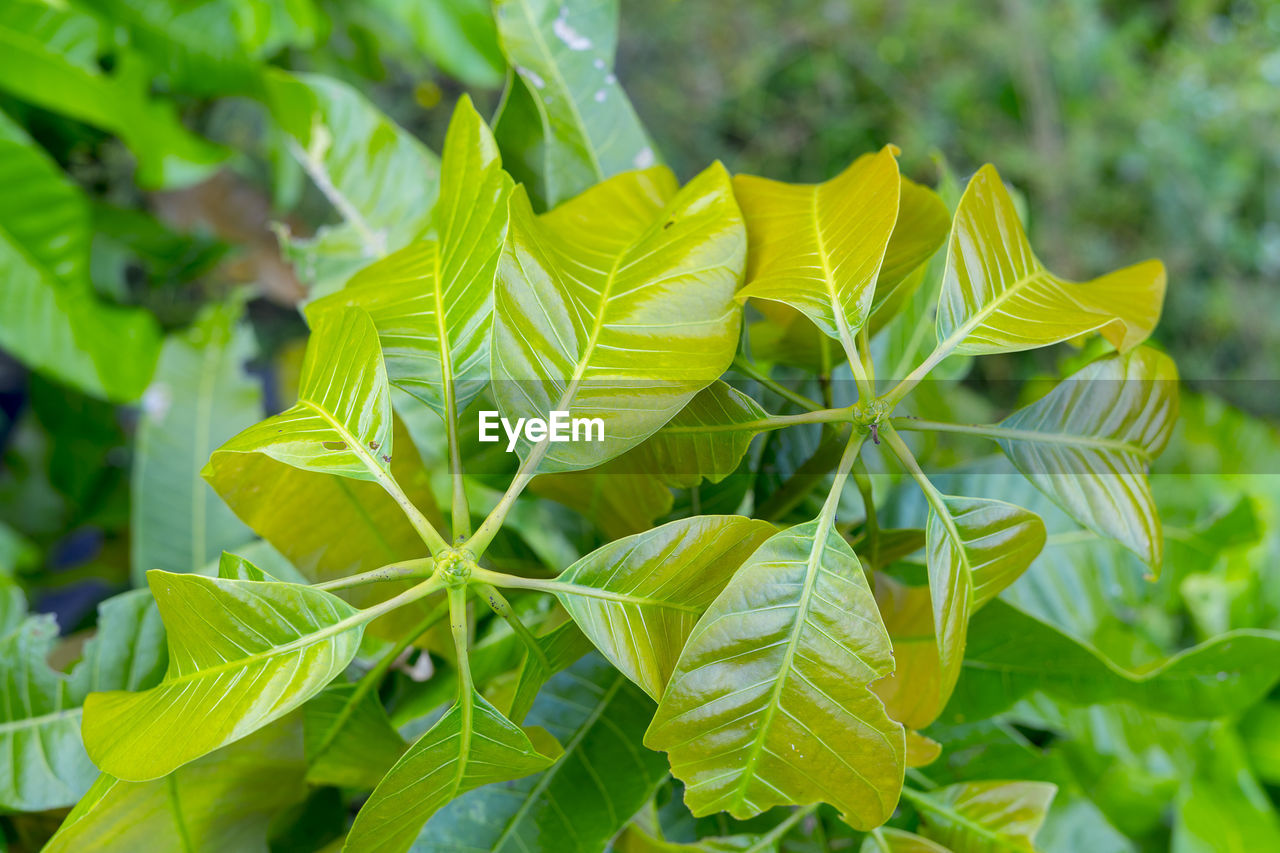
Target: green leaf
x,y
581,801
50,316
200,397
565,123
214,47
1088,443
223,801
622,497
617,305
997,297
1007,650
660,582
975,549
379,178
341,423
975,817
819,247
1223,807
432,302
770,701
241,654
350,741
40,712
470,746
459,36
48,57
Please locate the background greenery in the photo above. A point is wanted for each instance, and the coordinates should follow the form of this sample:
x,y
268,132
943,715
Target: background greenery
x,y
1132,130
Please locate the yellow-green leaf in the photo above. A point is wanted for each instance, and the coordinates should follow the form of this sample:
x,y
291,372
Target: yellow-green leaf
x,y
770,703
470,746
1088,443
617,305
983,817
241,654
977,548
432,302
341,423
658,583
997,297
819,247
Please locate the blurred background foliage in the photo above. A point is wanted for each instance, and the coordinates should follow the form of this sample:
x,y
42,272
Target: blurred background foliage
x,y
1132,130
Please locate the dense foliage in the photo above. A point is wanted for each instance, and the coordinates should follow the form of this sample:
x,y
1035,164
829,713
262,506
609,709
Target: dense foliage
x,y
813,588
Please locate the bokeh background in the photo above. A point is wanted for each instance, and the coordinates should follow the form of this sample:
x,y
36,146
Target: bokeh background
x,y
1130,129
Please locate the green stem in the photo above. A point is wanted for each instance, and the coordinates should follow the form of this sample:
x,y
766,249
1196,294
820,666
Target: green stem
x,y
881,841
419,568
863,481
459,509
999,433
462,643
498,604
860,376
751,371
489,528
773,836
819,416
827,518
484,576
912,467
864,349
429,535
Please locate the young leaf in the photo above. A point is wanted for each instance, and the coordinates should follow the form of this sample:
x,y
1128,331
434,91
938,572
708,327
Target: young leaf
x,y
997,297
350,742
432,302
241,654
470,746
1087,444
921,229
769,703
199,398
975,549
223,801
380,179
565,123
819,247
617,305
985,816
50,316
1007,649
583,799
912,692
341,423
659,583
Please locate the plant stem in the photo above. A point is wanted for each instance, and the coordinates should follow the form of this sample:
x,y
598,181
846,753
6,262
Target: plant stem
x,y
864,350
395,571
751,371
459,508
860,375
430,536
422,590
489,528
912,467
999,433
776,834
895,394
553,586
827,518
461,642
863,481
499,605
818,416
